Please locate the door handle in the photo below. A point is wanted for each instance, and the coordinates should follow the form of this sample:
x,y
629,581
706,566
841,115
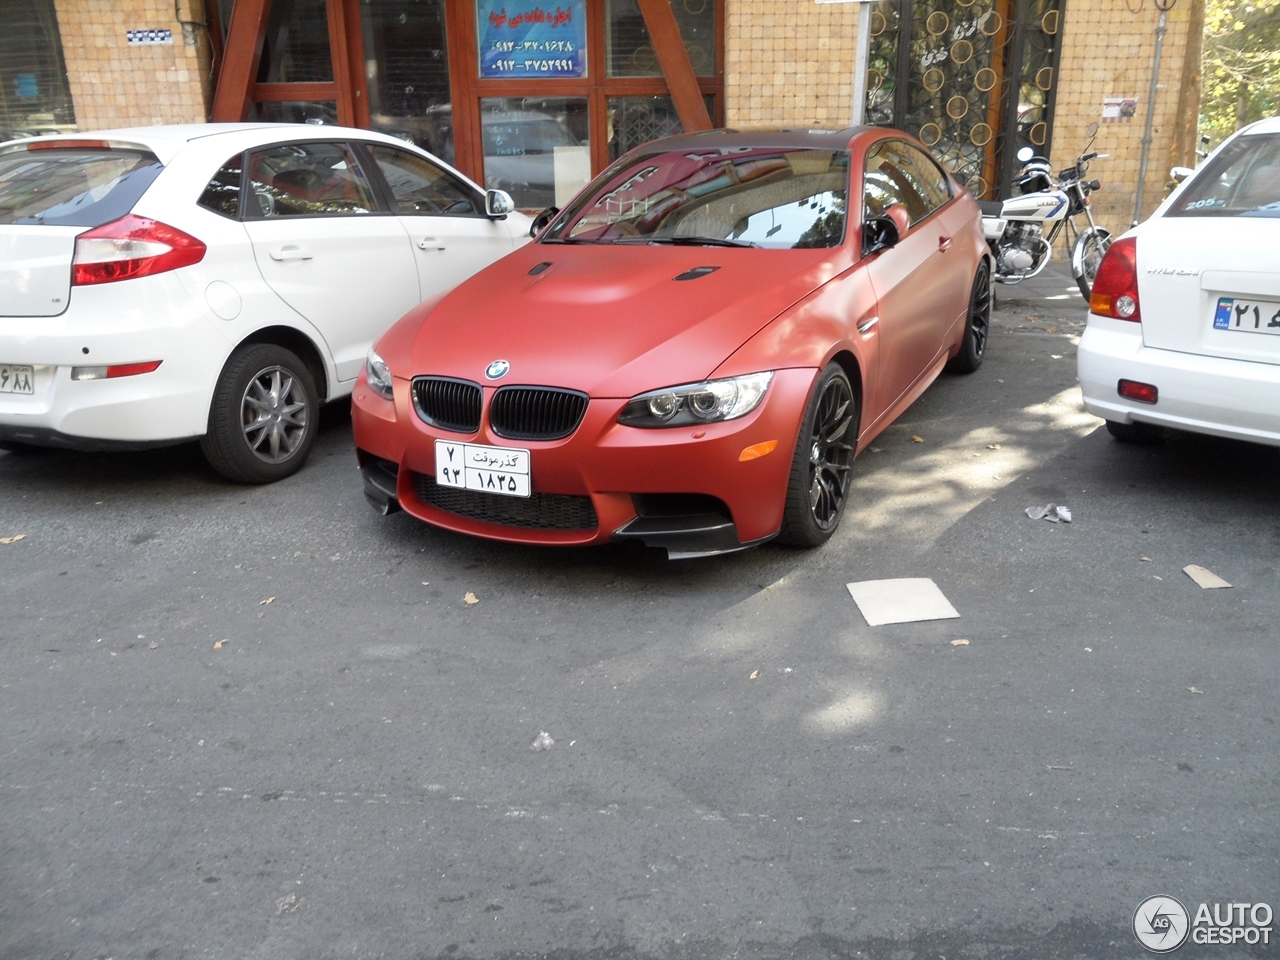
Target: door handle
x,y
290,252
430,243
865,326
944,243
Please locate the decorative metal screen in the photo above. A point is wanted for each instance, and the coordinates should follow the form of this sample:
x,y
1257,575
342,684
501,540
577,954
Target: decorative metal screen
x,y
973,79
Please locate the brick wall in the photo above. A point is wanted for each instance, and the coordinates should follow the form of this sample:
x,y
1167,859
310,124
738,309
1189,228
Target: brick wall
x,y
115,83
791,62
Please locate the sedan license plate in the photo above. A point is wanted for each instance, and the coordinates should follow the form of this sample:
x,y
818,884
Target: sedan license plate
x,y
16,378
1254,316
472,466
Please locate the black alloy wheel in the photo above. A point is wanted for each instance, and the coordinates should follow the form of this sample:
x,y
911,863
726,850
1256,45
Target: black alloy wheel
x,y
977,324
264,415
822,467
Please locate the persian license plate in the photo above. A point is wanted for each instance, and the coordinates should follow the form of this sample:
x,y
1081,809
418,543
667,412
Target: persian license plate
x,y
473,466
1254,316
16,378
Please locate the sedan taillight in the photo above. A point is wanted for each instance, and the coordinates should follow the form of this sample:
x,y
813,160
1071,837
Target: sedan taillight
x,y
131,247
1115,288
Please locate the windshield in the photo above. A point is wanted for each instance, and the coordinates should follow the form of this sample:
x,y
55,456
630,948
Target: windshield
x,y
752,197
1242,181
73,186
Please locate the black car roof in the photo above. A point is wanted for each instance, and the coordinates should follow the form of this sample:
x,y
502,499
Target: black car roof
x,y
795,137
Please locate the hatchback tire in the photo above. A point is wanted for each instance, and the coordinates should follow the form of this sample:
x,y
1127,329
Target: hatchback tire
x,y
264,415
1140,433
977,324
822,466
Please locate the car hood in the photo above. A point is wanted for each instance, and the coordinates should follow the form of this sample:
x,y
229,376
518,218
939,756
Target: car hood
x,y
611,320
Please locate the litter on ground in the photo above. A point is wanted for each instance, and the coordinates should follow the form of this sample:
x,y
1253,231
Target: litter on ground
x,y
1053,512
906,600
1205,579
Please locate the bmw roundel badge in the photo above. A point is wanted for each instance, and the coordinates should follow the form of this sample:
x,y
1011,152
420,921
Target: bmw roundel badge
x,y
497,370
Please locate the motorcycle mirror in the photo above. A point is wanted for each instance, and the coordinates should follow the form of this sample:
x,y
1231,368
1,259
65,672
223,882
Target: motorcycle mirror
x,y
1025,154
1091,130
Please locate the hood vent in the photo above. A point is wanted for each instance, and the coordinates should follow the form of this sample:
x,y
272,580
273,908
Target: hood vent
x,y
697,273
538,268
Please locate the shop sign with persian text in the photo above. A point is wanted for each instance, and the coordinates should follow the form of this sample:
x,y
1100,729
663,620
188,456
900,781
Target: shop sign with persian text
x,y
526,38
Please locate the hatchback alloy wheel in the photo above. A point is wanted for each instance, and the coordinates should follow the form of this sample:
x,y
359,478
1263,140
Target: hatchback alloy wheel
x,y
274,413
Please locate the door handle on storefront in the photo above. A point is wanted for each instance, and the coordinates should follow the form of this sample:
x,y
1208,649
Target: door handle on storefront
x,y
430,243
290,252
944,244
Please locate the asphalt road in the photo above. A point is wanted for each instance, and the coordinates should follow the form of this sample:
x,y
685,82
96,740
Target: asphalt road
x,y
264,723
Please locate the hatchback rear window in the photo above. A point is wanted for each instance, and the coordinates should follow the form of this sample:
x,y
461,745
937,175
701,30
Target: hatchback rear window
x,y
73,186
1242,181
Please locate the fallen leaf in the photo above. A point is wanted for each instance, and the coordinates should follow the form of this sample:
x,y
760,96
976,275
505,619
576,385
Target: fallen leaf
x,y
915,439
1052,767
470,598
13,539
993,446
1144,559
426,583
1032,319
218,645
1055,356
754,674
1195,690
1088,649
999,381
268,600
1052,330
1157,578
960,643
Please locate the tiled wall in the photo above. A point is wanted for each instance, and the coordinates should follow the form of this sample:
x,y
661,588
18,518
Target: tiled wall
x,y
115,83
791,62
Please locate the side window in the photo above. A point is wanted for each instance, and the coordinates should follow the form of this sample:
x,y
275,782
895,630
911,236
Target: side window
x,y
222,195
419,186
927,177
307,179
887,183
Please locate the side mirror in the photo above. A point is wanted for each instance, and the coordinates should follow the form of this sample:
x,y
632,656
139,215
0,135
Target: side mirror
x,y
541,220
497,204
1178,174
879,233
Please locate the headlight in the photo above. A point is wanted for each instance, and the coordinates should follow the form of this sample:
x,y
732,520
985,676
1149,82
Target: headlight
x,y
375,370
704,402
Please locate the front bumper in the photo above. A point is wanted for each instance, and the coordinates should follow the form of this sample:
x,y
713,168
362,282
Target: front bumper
x,y
587,487
1238,399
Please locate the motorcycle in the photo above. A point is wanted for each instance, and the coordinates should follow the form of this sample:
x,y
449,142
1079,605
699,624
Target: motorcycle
x,y
1021,230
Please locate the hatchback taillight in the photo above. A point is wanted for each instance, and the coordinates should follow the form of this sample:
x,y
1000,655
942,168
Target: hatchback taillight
x,y
132,247
1115,288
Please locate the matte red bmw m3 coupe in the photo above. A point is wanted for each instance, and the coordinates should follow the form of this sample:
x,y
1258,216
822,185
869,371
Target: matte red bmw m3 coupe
x,y
692,351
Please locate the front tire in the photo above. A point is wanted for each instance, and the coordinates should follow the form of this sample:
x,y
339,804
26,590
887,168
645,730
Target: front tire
x,y
264,416
1090,248
822,466
977,325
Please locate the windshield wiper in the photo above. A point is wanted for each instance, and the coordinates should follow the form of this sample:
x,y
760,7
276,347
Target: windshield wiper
x,y
570,240
689,241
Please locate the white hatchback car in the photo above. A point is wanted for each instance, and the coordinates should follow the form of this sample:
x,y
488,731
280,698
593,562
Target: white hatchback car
x,y
218,282
1184,321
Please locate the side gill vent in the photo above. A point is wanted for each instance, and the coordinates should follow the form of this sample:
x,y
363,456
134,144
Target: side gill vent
x,y
538,268
697,273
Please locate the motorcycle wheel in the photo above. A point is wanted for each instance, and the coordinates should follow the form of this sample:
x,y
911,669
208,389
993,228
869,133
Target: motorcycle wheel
x,y
1089,249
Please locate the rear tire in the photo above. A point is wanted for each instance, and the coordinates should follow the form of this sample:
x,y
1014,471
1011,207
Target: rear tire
x,y
1090,248
264,416
977,325
822,465
1140,433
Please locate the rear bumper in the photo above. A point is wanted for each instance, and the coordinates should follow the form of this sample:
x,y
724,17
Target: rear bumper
x,y
1238,399
594,474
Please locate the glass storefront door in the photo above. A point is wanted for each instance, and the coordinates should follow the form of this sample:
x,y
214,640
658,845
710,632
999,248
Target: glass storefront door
x,y
973,79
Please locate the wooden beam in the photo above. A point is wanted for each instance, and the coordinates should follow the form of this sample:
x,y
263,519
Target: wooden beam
x,y
243,50
674,59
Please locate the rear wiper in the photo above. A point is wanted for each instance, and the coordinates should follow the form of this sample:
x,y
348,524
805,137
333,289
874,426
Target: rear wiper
x,y
690,241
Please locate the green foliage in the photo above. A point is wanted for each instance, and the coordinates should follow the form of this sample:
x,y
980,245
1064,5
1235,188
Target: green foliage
x,y
1241,65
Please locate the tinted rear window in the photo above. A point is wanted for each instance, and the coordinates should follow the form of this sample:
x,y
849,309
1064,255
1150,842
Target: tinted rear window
x,y
73,187
1242,181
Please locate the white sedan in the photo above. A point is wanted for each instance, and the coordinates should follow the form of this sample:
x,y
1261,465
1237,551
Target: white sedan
x,y
1184,320
218,282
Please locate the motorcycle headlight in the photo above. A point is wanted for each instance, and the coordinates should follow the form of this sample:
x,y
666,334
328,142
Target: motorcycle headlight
x,y
692,403
379,377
